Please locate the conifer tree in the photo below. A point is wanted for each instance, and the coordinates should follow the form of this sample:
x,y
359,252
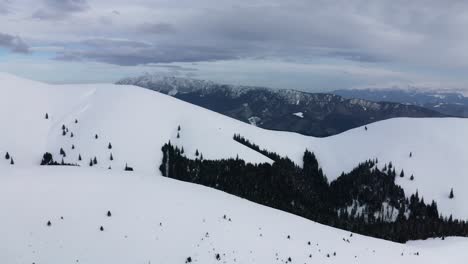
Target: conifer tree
x,y
63,127
109,146
178,128
64,132
109,214
46,116
62,152
96,136
101,228
95,161
71,134
49,223
12,162
412,177
451,196
178,136
196,153
7,155
76,121
411,154
73,146
90,162
79,157
402,174
111,157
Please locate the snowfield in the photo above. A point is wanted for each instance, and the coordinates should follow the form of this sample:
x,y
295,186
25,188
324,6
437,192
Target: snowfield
x,y
159,220
137,122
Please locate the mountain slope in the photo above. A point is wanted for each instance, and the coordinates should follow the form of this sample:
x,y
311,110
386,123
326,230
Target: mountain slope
x,y
138,122
158,220
449,103
285,110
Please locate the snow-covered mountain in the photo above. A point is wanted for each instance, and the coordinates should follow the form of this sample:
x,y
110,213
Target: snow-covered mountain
x,y
161,220
451,103
314,114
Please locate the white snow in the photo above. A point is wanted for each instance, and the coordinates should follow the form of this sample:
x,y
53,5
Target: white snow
x,y
138,122
299,114
159,220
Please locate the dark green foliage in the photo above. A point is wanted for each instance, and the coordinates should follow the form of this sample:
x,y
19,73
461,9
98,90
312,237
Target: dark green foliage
x,y
127,168
306,192
62,152
46,116
109,146
71,134
111,157
7,155
95,161
96,136
49,223
402,174
73,146
79,157
109,214
451,196
48,160
101,228
12,162
247,143
412,177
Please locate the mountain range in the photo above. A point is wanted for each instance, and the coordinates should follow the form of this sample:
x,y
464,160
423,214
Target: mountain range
x,y
314,114
449,103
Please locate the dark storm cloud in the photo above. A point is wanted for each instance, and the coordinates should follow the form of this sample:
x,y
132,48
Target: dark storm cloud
x,y
60,9
14,43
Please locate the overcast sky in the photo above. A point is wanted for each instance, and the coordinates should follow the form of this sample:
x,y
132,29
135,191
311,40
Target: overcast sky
x,y
313,45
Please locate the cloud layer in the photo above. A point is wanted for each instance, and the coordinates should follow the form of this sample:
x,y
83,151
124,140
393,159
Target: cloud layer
x,y
419,37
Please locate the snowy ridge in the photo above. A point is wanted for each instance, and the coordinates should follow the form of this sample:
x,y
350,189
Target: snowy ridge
x,y
137,122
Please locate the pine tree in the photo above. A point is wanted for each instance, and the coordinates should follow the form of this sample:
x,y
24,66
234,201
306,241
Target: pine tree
x,y
178,136
96,136
46,116
62,152
90,162
109,213
451,196
12,162
196,153
101,228
412,177
63,127
402,174
178,128
7,155
64,132
73,146
111,157
76,121
365,128
411,154
71,134
109,146
49,223
95,161
79,157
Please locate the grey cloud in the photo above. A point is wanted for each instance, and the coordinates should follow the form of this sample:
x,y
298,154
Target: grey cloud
x,y
60,9
4,7
130,53
157,28
14,43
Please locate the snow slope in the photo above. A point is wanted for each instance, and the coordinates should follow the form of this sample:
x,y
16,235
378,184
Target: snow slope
x,y
138,122
159,220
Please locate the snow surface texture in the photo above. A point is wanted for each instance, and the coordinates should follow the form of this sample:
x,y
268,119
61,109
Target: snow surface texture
x,y
159,220
137,122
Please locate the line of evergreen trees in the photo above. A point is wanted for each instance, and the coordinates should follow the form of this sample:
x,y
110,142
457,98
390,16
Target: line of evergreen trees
x,y
306,192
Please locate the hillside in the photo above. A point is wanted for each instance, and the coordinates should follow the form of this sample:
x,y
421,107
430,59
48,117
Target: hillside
x,y
138,122
313,114
158,220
